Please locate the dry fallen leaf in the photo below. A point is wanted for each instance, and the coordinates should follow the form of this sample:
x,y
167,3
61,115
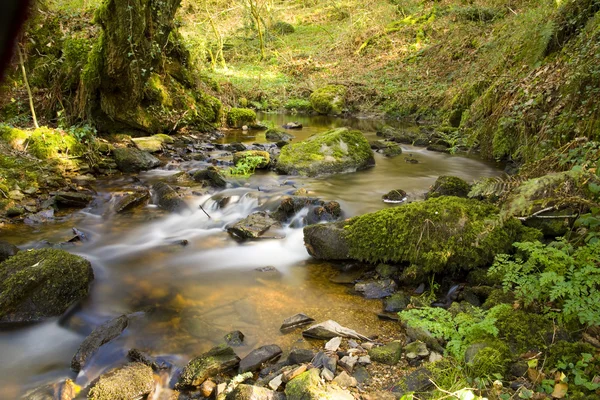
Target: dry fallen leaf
x,y
560,390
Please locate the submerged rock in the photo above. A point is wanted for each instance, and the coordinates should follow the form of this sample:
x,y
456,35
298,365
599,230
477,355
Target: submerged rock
x,y
130,159
132,381
292,125
275,135
38,284
217,360
296,321
253,361
7,250
460,234
376,289
234,338
132,199
335,151
402,135
256,226
168,198
394,196
99,336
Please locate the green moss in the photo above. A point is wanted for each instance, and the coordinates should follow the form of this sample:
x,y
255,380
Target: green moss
x,y
240,156
567,352
497,297
329,99
282,28
521,330
300,105
218,359
449,186
307,386
156,91
14,136
504,139
134,380
42,283
437,234
237,117
333,151
492,359
46,143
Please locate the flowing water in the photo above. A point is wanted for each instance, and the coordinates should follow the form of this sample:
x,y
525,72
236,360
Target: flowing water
x,y
182,300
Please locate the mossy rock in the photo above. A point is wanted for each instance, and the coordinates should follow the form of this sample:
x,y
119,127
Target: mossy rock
x,y
242,155
152,144
462,234
210,177
219,359
335,151
388,354
39,284
497,297
567,352
238,117
449,186
46,143
487,359
130,159
15,137
132,381
521,330
414,136
329,100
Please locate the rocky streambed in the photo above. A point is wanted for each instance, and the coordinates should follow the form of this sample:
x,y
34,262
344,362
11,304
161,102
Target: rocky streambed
x,y
195,269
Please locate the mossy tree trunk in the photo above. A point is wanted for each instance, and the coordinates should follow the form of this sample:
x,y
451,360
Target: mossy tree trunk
x,y
138,77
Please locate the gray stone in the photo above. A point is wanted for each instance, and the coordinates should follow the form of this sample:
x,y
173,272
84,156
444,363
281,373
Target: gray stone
x,y
348,363
327,375
257,357
99,336
333,344
296,321
210,177
330,329
276,382
345,381
132,199
364,360
361,374
327,241
301,356
72,199
217,360
258,225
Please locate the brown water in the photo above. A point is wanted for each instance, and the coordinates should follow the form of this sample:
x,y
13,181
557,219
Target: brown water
x,y
183,299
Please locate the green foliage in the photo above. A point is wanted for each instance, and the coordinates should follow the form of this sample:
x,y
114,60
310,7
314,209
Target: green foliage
x,y
582,371
246,165
299,105
459,331
558,274
330,99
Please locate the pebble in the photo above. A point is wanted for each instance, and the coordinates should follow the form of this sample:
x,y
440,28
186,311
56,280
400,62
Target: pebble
x,y
327,375
333,344
348,363
275,382
207,388
345,381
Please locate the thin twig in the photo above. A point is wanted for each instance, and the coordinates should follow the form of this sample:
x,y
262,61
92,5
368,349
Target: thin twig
x,y
202,208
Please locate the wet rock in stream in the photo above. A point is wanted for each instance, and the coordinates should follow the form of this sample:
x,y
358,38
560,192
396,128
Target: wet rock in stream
x,y
132,199
253,361
7,250
72,199
131,159
168,198
376,289
295,321
219,359
99,336
258,225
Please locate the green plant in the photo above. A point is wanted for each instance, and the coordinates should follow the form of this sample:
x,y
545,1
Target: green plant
x,y
246,166
555,276
581,371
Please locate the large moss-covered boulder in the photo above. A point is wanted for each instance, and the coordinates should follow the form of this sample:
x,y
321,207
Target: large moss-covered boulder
x,y
133,381
242,156
335,151
131,159
433,236
330,99
38,284
217,360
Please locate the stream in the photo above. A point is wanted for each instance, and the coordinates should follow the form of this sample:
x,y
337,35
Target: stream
x,y
181,299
